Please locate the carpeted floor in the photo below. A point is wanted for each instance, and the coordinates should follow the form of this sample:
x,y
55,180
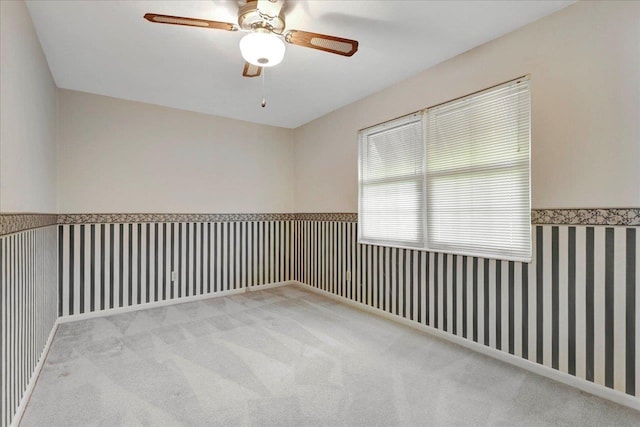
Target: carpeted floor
x,y
286,356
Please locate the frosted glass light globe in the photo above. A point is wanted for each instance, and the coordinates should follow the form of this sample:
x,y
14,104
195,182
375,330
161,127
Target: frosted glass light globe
x,y
262,49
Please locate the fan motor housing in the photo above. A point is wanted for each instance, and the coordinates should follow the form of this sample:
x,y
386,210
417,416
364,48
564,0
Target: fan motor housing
x,y
250,18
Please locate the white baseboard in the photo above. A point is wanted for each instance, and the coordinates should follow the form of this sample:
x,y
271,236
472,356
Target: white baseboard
x,y
17,417
182,300
269,286
579,383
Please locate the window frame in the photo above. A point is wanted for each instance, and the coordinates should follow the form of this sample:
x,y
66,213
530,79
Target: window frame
x,y
425,244
397,122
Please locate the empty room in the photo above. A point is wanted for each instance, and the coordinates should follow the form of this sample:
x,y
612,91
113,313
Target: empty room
x,y
329,213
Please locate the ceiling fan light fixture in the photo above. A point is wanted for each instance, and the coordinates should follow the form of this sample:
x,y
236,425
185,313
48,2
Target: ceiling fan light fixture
x,y
262,48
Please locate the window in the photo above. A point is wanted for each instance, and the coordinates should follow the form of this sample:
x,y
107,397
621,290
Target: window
x,y
474,195
478,197
391,191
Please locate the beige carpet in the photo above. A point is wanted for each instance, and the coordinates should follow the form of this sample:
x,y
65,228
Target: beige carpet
x,y
286,356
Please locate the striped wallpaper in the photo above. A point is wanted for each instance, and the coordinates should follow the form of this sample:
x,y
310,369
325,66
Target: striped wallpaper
x,y
574,308
113,265
28,305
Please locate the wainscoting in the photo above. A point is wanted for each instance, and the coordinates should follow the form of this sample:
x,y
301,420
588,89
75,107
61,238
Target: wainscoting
x,y
28,309
573,309
113,265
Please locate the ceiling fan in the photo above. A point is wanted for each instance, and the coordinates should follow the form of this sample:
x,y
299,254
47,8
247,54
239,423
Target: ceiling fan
x,y
263,46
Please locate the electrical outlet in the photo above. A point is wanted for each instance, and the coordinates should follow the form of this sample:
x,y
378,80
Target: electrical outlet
x,y
174,276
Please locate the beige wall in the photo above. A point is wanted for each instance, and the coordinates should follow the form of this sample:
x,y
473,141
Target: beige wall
x,y
27,116
124,156
121,156
584,63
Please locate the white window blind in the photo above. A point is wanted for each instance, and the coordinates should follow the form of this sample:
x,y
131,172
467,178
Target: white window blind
x,y
391,183
477,175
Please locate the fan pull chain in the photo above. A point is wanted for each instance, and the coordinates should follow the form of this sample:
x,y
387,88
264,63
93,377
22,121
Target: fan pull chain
x,y
264,95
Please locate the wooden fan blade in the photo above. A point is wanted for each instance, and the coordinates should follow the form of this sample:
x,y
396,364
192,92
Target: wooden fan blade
x,y
190,22
337,45
251,70
270,8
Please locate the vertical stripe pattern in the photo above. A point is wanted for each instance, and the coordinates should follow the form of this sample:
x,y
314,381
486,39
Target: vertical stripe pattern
x,y
28,309
138,262
573,308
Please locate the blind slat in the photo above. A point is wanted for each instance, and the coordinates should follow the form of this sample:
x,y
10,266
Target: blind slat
x,y
391,185
478,173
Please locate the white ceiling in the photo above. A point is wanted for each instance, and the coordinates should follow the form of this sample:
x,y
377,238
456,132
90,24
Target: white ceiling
x,y
107,48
